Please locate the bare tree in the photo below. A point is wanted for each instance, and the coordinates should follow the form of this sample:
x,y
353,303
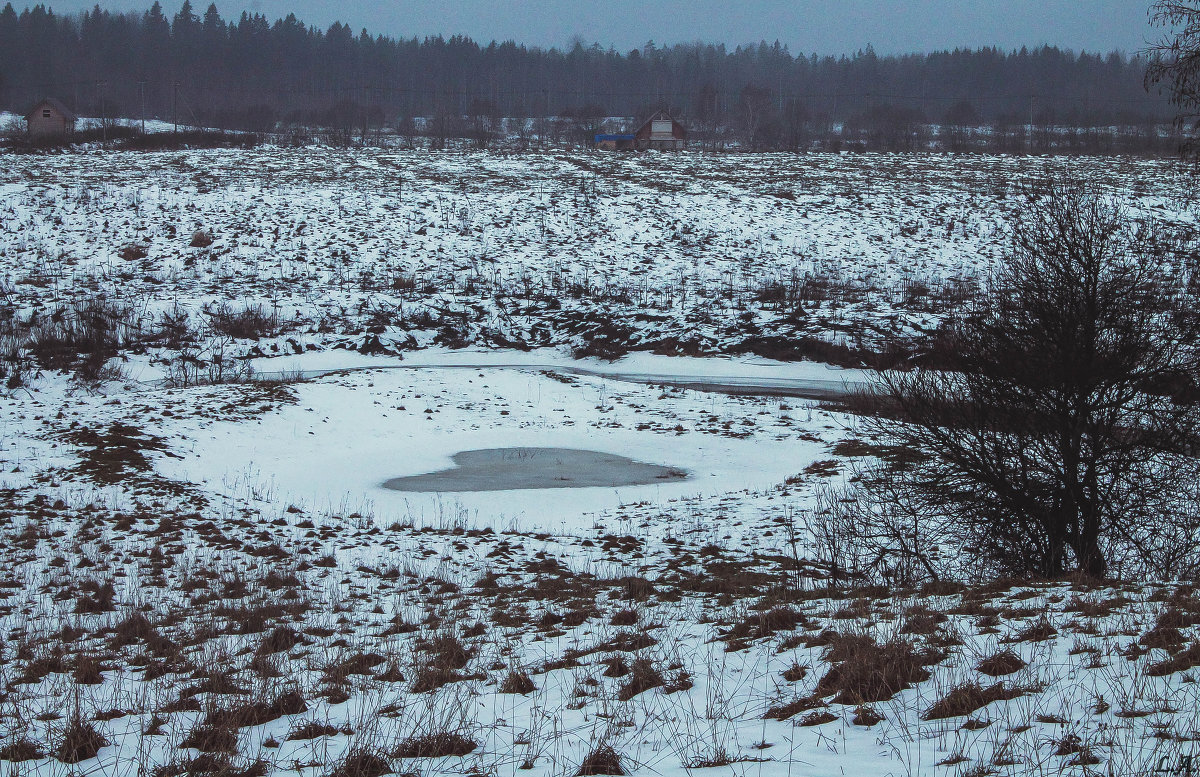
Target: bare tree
x,y
1175,61
485,122
756,113
585,121
1064,438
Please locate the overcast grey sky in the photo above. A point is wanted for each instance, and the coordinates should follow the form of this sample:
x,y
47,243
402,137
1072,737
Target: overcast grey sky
x,y
821,26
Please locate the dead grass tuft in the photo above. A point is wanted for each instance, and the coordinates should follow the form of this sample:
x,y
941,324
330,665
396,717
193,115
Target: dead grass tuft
x,y
517,682
999,664
434,746
361,763
642,677
794,707
866,716
864,671
21,749
1180,662
603,760
80,742
208,738
966,698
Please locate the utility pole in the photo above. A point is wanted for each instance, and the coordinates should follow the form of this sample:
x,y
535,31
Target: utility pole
x,y
142,97
175,107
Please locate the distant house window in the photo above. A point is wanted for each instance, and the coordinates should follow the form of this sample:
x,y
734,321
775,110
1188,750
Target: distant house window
x,y
45,113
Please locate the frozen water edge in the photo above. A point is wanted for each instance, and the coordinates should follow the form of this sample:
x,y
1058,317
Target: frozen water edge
x,y
510,469
727,375
351,432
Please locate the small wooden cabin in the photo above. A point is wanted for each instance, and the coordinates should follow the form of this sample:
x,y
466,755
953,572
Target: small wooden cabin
x,y
50,120
660,131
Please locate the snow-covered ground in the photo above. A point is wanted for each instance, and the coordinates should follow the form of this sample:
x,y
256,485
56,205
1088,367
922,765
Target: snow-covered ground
x,y
683,254
212,579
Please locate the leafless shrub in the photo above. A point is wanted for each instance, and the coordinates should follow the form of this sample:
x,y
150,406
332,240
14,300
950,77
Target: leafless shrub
x,y
1064,437
82,336
251,322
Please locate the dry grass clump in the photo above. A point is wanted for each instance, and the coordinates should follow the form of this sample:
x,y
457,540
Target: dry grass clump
x,y
999,664
642,677
137,628
200,239
1073,744
361,763
921,620
251,322
624,618
21,749
795,673
764,624
80,741
1038,631
966,698
718,757
603,760
1166,632
517,682
1180,662
866,716
864,671
87,671
437,745
446,655
793,707
818,718
280,640
257,713
209,738
312,730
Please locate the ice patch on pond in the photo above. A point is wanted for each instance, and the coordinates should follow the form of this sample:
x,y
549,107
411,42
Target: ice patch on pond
x,y
509,469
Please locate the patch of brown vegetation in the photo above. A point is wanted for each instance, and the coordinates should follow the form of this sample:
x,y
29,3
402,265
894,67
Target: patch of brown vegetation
x,y
966,698
1180,662
80,742
793,707
999,664
361,763
866,716
21,749
436,745
211,739
864,671
517,682
603,760
643,676
764,624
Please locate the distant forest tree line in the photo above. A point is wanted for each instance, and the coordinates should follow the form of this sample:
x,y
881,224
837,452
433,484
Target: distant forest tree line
x,y
256,75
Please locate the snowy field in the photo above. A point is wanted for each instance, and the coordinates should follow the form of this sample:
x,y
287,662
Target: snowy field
x,y
203,573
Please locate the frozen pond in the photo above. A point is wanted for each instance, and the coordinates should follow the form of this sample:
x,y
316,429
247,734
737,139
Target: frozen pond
x,y
506,469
